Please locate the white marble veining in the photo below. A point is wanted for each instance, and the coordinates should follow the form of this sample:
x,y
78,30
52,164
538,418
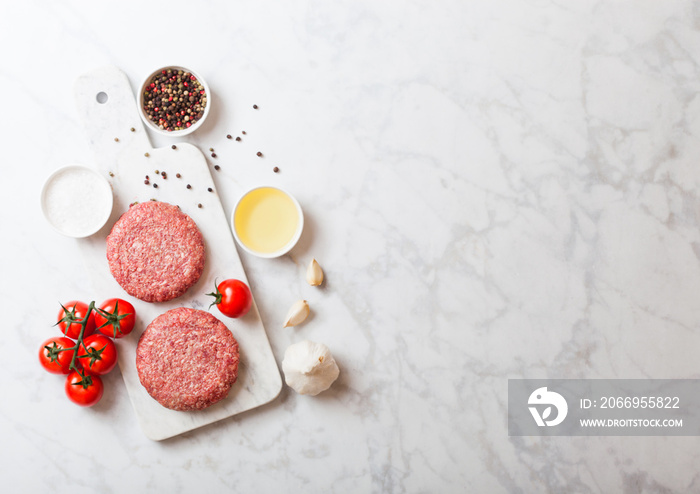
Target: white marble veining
x,y
495,189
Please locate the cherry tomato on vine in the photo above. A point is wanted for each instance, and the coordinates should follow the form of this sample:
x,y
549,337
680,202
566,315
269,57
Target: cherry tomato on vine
x,y
98,354
115,318
70,317
84,390
232,297
53,355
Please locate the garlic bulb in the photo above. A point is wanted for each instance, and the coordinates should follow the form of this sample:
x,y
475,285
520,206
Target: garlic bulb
x,y
309,367
297,313
314,273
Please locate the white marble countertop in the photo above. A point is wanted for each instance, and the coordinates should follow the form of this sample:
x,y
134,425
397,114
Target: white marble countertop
x,y
495,190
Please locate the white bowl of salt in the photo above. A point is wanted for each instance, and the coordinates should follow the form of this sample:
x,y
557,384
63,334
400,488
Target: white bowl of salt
x,y
76,201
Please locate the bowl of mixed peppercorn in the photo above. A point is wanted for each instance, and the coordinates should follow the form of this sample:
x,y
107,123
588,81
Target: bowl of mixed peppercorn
x,y
174,101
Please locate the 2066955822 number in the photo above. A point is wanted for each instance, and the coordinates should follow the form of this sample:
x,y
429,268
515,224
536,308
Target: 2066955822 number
x,y
640,402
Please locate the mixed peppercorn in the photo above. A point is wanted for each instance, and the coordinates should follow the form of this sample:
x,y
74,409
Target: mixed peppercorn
x,y
174,99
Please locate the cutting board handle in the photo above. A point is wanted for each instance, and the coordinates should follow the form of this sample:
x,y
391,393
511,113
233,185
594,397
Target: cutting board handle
x,y
107,107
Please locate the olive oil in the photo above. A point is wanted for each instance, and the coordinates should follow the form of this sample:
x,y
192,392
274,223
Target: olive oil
x,y
266,220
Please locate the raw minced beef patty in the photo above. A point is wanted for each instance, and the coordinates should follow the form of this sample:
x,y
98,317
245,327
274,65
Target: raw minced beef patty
x,y
187,359
155,251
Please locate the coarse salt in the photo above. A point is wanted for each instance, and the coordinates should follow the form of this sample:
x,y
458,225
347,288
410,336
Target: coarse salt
x,y
77,201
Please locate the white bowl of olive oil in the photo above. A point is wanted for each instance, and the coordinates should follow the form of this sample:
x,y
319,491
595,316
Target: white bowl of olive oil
x,y
267,221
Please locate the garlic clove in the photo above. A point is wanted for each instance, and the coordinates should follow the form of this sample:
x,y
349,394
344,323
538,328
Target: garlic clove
x,y
314,273
297,313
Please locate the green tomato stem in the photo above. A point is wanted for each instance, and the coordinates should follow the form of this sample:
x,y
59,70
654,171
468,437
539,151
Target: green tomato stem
x,y
83,325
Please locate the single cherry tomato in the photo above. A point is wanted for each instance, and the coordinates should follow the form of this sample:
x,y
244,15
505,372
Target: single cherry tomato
x,y
115,318
85,390
54,356
98,354
232,297
70,318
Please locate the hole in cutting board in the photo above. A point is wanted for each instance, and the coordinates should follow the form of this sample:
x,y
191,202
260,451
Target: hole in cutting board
x,y
102,97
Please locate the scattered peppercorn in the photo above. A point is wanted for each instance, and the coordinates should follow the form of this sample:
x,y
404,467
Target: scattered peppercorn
x,y
228,136
216,167
259,153
132,129
146,155
199,205
210,189
211,149
255,107
157,172
155,186
146,182
189,186
174,100
213,155
243,132
164,175
174,146
111,174
275,169
238,138
116,139
178,175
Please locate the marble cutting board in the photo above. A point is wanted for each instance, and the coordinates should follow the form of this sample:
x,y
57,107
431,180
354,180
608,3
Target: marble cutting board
x,y
107,107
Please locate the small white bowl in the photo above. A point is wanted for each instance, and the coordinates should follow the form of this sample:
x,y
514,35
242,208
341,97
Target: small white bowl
x,y
153,125
294,237
76,201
